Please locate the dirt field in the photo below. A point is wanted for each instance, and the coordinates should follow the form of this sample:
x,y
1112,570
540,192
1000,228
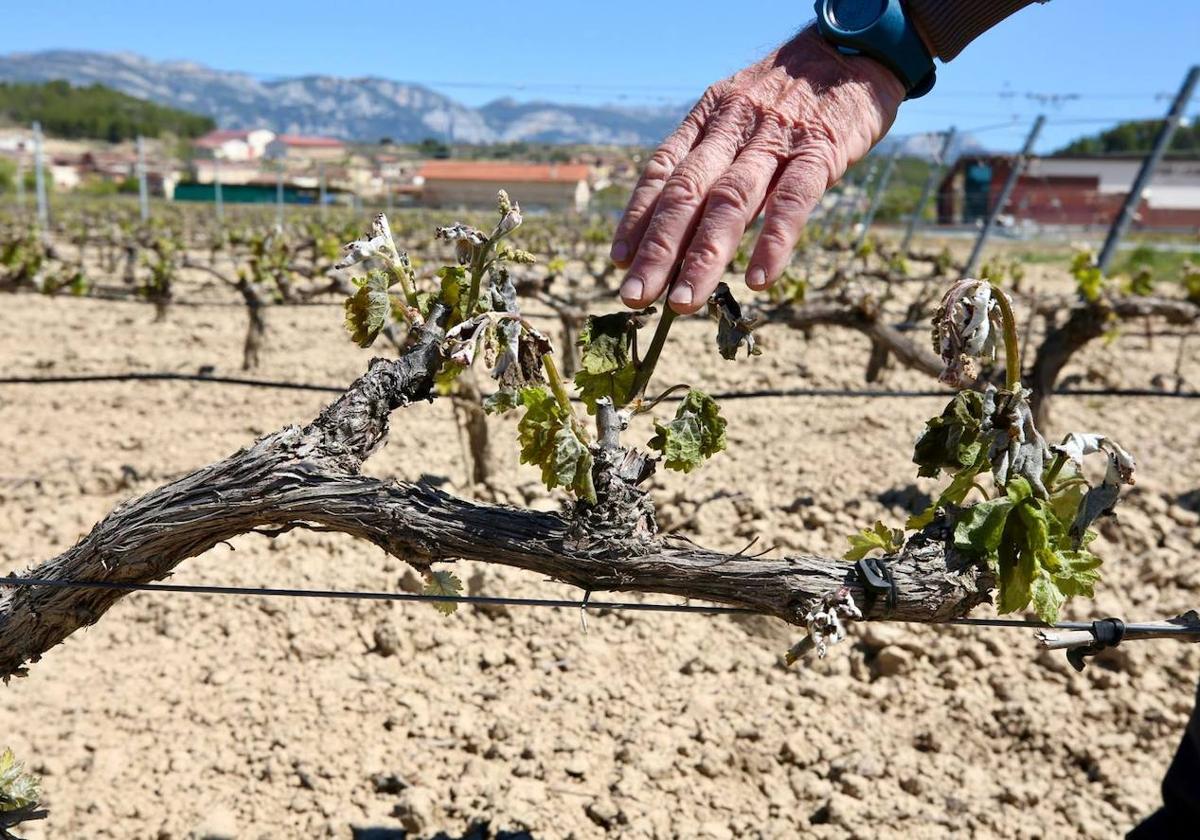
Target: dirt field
x,y
189,716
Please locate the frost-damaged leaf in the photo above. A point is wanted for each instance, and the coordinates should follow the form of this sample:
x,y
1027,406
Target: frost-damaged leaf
x,y
614,386
1017,448
466,240
965,327
519,355
1100,500
696,433
502,402
543,432
951,441
1078,445
377,243
368,309
606,367
604,342
573,463
733,330
17,788
443,584
888,540
464,340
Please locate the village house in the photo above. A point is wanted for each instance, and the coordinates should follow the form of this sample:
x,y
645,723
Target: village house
x,y
295,147
1075,191
233,144
468,184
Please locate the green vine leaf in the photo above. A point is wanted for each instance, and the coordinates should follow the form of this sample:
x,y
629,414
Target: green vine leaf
x,y
443,584
1027,542
368,309
954,494
456,291
696,433
888,540
549,441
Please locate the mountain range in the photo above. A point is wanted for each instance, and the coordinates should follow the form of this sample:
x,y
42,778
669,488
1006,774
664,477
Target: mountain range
x,y
360,109
370,108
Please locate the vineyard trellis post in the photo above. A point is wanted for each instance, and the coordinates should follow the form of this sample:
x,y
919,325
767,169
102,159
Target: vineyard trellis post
x,y
1125,217
39,179
279,192
321,190
217,196
881,186
21,184
857,209
143,191
1014,174
935,172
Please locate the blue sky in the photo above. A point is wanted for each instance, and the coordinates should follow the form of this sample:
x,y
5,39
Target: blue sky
x,y
1119,58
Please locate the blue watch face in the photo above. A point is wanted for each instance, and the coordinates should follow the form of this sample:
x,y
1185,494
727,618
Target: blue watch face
x,y
853,15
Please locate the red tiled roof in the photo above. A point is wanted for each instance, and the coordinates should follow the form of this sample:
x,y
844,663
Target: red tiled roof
x,y
462,170
309,142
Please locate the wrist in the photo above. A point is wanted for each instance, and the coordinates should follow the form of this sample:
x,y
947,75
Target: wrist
x,y
884,31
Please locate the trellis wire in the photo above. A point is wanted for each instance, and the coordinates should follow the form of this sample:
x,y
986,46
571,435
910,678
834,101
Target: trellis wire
x,y
552,603
760,393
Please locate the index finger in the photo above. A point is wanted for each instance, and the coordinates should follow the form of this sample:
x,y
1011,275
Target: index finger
x,y
662,163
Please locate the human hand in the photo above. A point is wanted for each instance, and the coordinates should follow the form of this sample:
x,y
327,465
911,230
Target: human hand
x,y
775,136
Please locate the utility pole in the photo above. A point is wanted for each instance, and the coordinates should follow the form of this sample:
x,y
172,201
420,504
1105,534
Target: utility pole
x,y
143,190
1014,174
1121,223
39,176
877,199
935,173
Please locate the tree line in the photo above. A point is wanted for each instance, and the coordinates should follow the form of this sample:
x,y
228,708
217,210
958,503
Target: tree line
x,y
94,112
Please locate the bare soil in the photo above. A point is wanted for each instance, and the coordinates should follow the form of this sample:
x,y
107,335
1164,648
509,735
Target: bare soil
x,y
183,716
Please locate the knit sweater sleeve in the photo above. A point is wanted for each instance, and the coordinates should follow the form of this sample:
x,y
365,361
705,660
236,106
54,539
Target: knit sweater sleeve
x,y
949,25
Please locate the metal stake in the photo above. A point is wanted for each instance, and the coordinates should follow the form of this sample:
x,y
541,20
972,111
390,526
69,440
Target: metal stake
x,y
1121,223
39,176
143,190
935,173
1018,169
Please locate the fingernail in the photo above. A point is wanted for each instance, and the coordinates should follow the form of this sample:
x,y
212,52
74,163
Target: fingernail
x,y
633,288
756,278
620,251
682,294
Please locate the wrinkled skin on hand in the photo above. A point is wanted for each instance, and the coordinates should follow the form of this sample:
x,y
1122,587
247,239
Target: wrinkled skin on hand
x,y
771,139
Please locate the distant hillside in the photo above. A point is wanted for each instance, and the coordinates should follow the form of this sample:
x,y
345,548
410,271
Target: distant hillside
x,y
1134,138
364,109
94,112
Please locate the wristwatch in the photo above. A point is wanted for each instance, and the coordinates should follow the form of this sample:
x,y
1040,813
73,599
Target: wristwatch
x,y
881,30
